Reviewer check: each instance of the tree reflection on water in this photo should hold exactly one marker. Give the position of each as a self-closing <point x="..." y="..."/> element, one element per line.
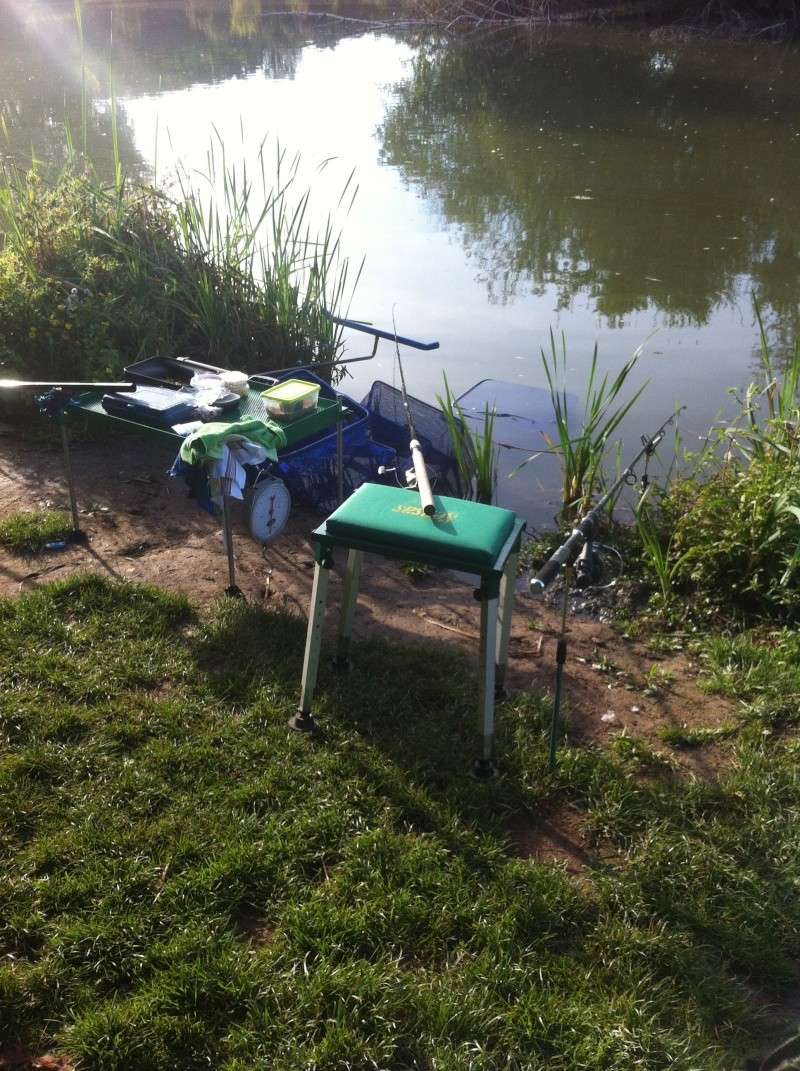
<point x="637" y="172"/>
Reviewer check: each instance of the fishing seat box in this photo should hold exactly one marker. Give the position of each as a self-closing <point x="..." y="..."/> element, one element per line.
<point x="390" y="521"/>
<point x="467" y="536"/>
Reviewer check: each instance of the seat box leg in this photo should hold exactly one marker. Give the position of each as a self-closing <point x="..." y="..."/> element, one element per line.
<point x="349" y="597"/>
<point x="505" y="616"/>
<point x="484" y="766"/>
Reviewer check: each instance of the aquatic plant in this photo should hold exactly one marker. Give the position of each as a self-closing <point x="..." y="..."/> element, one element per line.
<point x="473" y="449"/>
<point x="150" y="273"/>
<point x="583" y="451"/>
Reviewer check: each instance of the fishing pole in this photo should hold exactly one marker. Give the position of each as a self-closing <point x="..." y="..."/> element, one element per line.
<point x="417" y="458"/>
<point x="26" y="384"/>
<point x="582" y="533"/>
<point x="579" y="546"/>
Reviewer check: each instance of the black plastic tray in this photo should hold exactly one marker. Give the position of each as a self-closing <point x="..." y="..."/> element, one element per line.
<point x="172" y="372"/>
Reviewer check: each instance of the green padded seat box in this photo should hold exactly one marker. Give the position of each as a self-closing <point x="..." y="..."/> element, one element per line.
<point x="467" y="535"/>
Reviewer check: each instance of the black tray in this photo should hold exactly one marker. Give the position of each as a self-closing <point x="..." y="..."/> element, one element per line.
<point x="172" y="372"/>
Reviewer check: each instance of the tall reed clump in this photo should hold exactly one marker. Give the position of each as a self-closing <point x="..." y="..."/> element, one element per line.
<point x="94" y="274"/>
<point x="582" y="448"/>
<point x="473" y="449"/>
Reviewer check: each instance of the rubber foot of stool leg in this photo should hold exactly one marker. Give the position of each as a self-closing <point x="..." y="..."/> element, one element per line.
<point x="341" y="663"/>
<point x="234" y="593"/>
<point x="303" y="723"/>
<point x="484" y="770"/>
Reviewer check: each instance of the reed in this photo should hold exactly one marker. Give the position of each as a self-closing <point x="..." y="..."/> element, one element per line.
<point x="226" y="268"/>
<point x="583" y="451"/>
<point x="473" y="449"/>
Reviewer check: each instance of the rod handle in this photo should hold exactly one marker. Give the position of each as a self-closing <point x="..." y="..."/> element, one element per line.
<point x="545" y="576"/>
<point x="423" y="483"/>
<point x="563" y="556"/>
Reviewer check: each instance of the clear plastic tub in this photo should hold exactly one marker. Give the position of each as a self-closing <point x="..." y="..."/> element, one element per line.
<point x="291" y="398"/>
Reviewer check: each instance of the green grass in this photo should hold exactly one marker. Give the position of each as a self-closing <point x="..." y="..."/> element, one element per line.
<point x="190" y="884"/>
<point x="685" y="736"/>
<point x="761" y="669"/>
<point x="28" y="532"/>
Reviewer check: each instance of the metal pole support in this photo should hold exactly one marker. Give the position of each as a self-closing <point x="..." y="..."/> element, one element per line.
<point x="561" y="658"/>
<point x="227" y="536"/>
<point x="303" y="721"/>
<point x="505" y="615"/>
<point x="73" y="502"/>
<point x="349" y="598"/>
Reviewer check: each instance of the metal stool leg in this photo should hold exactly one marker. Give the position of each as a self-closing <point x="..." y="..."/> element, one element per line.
<point x="505" y="615"/>
<point x="73" y="502"/>
<point x="227" y="536"/>
<point x="303" y="721"/>
<point x="484" y="766"/>
<point x="349" y="597"/>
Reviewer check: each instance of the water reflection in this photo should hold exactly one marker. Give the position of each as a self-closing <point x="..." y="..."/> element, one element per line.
<point x="145" y="49"/>
<point x="643" y="174"/>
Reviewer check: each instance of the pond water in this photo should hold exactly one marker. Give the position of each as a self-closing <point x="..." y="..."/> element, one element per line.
<point x="619" y="186"/>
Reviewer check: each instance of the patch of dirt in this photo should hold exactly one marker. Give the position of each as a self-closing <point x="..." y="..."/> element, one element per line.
<point x="140" y="525"/>
<point x="20" y="1058"/>
<point x="554" y="837"/>
<point x="253" y="927"/>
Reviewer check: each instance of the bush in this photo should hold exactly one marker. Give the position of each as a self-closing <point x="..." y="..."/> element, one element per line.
<point x="727" y="537"/>
<point x="736" y="538"/>
<point x="93" y="277"/>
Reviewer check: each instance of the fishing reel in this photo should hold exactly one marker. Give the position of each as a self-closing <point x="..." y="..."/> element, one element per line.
<point x="588" y="567"/>
<point x="410" y="475"/>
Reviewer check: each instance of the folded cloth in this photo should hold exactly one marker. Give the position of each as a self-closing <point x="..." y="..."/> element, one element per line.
<point x="207" y="443"/>
<point x="228" y="475"/>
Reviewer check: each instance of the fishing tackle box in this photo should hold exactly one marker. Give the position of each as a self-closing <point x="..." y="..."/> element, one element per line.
<point x="160" y="406"/>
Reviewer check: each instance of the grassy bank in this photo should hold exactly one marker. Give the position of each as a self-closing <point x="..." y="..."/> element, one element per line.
<point x="191" y="884"/>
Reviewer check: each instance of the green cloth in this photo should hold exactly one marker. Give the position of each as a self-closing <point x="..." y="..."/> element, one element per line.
<point x="206" y="443"/>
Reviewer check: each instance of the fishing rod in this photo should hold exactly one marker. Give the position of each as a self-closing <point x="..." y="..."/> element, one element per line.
<point x="578" y="546"/>
<point x="26" y="384"/>
<point x="581" y="536"/>
<point x="417" y="459"/>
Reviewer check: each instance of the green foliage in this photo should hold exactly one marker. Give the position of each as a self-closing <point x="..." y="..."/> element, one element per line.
<point x="685" y="736"/>
<point x="27" y="532"/>
<point x="187" y="883"/>
<point x="657" y="557"/>
<point x="582" y="452"/>
<point x="473" y="449"/>
<point x="724" y="540"/>
<point x="736" y="538"/>
<point x="761" y="670"/>
<point x="93" y="277"/>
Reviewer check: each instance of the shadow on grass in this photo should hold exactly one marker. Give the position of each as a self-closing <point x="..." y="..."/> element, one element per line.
<point x="405" y="716"/>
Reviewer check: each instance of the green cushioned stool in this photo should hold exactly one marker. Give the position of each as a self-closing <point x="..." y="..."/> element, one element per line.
<point x="466" y="536"/>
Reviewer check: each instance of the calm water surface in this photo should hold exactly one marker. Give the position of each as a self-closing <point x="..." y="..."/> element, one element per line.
<point x="612" y="185"/>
